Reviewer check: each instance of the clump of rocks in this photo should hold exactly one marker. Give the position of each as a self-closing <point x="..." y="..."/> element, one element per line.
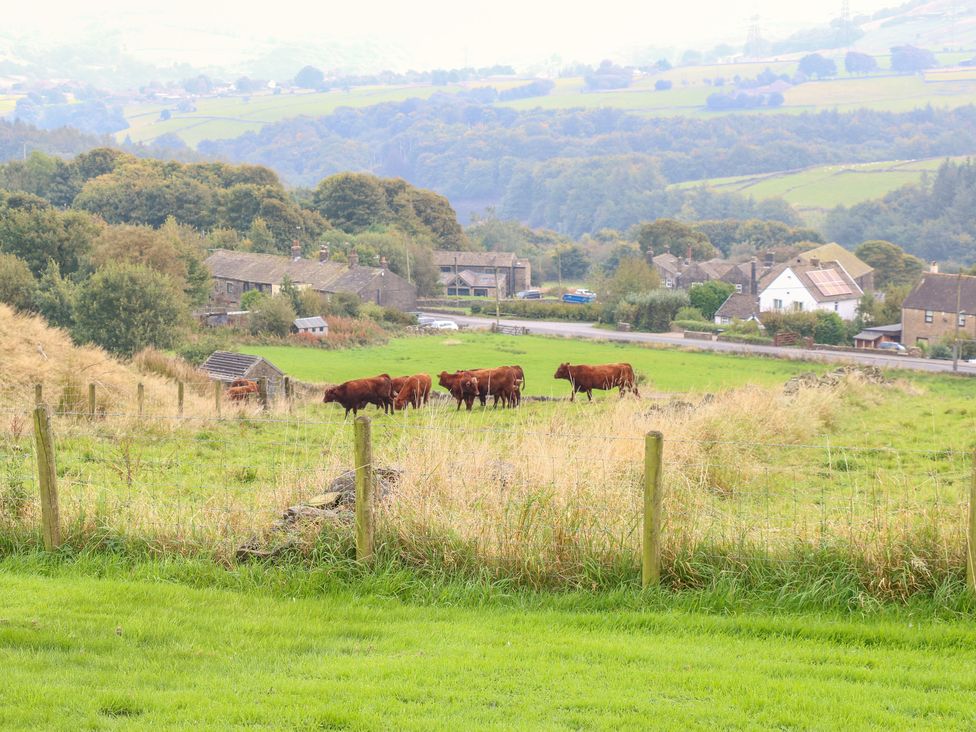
<point x="335" y="505"/>
<point x="831" y="379"/>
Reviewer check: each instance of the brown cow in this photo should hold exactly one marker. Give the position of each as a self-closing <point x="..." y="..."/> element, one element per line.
<point x="463" y="386"/>
<point x="241" y="390"/>
<point x="416" y="391"/>
<point x="606" y="376"/>
<point x="502" y="382"/>
<point x="356" y="394"/>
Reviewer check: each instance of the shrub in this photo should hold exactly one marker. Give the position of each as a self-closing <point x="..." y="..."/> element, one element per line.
<point x="941" y="351"/>
<point x="196" y="349"/>
<point x="689" y="313"/>
<point x="273" y="316"/>
<point x="653" y="311"/>
<point x="475" y="308"/>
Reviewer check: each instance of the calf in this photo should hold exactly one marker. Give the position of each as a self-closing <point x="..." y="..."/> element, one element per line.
<point x="606" y="376"/>
<point x="463" y="386"/>
<point x="416" y="391"/>
<point x="356" y="394"/>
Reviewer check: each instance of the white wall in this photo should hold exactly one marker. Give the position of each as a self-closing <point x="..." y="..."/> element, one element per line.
<point x="788" y="289"/>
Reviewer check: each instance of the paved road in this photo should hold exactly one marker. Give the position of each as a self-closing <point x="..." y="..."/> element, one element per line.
<point x="588" y="330"/>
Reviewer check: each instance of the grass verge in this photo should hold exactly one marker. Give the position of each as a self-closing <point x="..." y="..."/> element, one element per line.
<point x="96" y="643"/>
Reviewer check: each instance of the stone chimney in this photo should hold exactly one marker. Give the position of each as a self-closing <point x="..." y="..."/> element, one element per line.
<point x="383" y="263"/>
<point x="324" y="253"/>
<point x="934" y="267"/>
<point x="296" y="251"/>
<point x="353" y="259"/>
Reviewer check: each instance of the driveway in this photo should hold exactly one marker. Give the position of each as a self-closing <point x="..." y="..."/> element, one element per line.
<point x="589" y="330"/>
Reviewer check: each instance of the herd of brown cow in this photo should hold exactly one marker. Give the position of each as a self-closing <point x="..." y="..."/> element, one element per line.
<point x="503" y="383"/>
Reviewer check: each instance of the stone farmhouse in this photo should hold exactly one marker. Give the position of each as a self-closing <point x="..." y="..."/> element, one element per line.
<point x="473" y="273"/>
<point x="235" y="273"/>
<point x="940" y="307"/>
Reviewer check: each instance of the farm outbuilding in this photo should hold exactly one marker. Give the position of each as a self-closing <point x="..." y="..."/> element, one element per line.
<point x="227" y="366"/>
<point x="315" y="325"/>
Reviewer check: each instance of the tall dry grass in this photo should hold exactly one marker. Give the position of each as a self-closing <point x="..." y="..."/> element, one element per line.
<point x="32" y="352"/>
<point x="546" y="495"/>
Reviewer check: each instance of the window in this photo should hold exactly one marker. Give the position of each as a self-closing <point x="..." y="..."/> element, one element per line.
<point x="738" y="289"/>
<point x="962" y="320"/>
<point x="669" y="282"/>
<point x="777" y="304"/>
<point x="797" y="307"/>
<point x="928" y="316"/>
<point x="836" y="307"/>
<point x="230" y="288"/>
<point x="480" y="292"/>
<point x="921" y="341"/>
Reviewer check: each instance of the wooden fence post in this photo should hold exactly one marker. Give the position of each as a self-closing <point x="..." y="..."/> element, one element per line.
<point x="971" y="534"/>
<point x="218" y="395"/>
<point x="91" y="401"/>
<point x="179" y="398"/>
<point x="263" y="392"/>
<point x="364" y="488"/>
<point x="38" y="394"/>
<point x="651" y="546"/>
<point x="47" y="478"/>
<point x="141" y="397"/>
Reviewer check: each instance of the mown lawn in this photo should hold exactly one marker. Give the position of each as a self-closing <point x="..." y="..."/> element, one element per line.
<point x="82" y="652"/>
<point x="665" y="369"/>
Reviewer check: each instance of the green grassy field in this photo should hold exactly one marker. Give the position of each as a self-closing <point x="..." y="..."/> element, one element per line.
<point x="666" y="369"/>
<point x="137" y="649"/>
<point x="861" y="481"/>
<point x="228" y="117"/>
<point x="816" y="190"/>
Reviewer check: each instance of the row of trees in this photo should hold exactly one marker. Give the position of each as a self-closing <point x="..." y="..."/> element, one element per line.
<point x="578" y="171"/>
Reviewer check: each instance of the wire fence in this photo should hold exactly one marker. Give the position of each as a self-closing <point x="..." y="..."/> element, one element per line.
<point x="537" y="499"/>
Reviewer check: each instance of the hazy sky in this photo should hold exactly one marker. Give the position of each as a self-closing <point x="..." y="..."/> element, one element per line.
<point x="425" y="32"/>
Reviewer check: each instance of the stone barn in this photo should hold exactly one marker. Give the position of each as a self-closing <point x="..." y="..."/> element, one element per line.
<point x="226" y="366"/>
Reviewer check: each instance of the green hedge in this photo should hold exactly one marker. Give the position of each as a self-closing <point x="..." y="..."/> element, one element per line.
<point x="701" y="326"/>
<point x="544" y="310"/>
<point x="746" y="338"/>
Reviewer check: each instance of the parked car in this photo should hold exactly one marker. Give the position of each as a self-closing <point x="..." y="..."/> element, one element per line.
<point x="423" y="320"/>
<point x="580" y="296"/>
<point x="529" y="295"/>
<point x="442" y="325"/>
<point x="892" y="346"/>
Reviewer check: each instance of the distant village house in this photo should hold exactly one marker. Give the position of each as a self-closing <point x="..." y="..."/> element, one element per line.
<point x="235" y="273"/>
<point x="940" y="307"/>
<point x="473" y="273"/>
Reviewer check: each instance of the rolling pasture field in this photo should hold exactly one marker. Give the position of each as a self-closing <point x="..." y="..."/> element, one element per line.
<point x="814" y="191"/>
<point x="811" y="557"/>
<point x="666" y="370"/>
<point x="231" y="116"/>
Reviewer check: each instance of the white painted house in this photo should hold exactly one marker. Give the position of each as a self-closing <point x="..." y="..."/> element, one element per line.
<point x="810" y="286"/>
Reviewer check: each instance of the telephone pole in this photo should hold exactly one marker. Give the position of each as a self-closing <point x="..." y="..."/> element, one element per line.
<point x="955" y="345"/>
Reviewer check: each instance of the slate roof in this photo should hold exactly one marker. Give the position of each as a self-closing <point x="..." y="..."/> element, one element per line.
<point x="937" y="292"/>
<point x="270" y="269"/>
<point x="834" y="252"/>
<point x="227" y="366"/>
<point x="315" y="321"/>
<point x="443" y="258"/>
<point x="739" y="306"/>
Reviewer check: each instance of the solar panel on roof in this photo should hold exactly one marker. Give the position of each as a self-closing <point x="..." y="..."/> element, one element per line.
<point x="829" y="282"/>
